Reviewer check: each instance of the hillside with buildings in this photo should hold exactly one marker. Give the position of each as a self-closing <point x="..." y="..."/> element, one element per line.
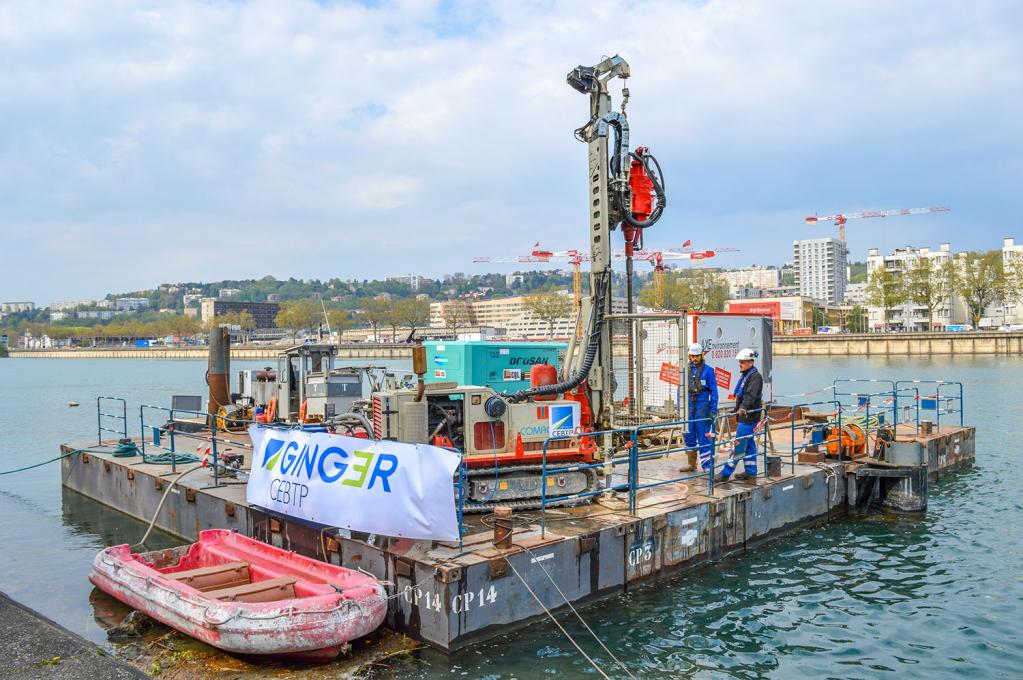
<point x="910" y="289"/>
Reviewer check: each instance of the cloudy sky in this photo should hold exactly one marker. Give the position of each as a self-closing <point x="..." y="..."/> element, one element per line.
<point x="149" y="142"/>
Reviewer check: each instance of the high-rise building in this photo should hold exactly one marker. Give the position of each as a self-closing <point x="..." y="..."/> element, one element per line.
<point x="820" y="265"/>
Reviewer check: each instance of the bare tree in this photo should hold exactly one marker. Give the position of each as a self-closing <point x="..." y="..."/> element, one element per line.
<point x="457" y="314"/>
<point x="548" y="305"/>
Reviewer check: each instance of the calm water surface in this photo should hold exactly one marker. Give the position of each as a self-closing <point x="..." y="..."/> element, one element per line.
<point x="936" y="597"/>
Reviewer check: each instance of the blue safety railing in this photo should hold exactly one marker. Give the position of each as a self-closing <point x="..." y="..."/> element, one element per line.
<point x="633" y="483"/>
<point x="111" y="418"/>
<point x="950" y="404"/>
<point x="816" y="430"/>
<point x="215" y="436"/>
<point x="607" y="464"/>
<point x="842" y="409"/>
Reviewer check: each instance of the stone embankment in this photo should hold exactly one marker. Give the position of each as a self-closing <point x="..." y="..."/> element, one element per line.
<point x="851" y="344"/>
<point x="347" y="351"/>
<point x="899" y="344"/>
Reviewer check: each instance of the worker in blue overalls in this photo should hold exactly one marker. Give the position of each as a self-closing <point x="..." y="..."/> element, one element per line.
<point x="703" y="405"/>
<point x="748" y="414"/>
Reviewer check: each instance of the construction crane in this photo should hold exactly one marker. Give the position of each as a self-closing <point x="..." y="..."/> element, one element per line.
<point x="841" y="218"/>
<point x="538" y="254"/>
<point x="657" y="258"/>
<point x="576" y="257"/>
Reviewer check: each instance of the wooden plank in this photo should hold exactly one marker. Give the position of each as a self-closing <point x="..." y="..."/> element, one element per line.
<point x="215" y="577"/>
<point x="280" y="588"/>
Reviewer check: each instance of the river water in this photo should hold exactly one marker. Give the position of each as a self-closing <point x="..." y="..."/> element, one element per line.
<point x="939" y="596"/>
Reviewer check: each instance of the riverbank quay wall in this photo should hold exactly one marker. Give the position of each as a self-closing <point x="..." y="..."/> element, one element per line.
<point x="449" y="594"/>
<point x="345" y="351"/>
<point x="898" y="344"/>
<point x="858" y="344"/>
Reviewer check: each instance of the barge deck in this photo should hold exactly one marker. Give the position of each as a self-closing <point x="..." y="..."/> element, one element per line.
<point x="450" y="594"/>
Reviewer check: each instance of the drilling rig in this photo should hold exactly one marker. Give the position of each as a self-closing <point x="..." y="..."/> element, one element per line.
<point x="506" y="437"/>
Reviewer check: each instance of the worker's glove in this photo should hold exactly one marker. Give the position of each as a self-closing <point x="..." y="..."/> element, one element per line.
<point x="742" y="412"/>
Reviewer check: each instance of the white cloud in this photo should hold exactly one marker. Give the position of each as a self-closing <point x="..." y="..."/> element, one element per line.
<point x="415" y="135"/>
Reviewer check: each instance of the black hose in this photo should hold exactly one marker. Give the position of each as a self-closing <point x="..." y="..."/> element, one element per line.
<point x="596" y="324"/>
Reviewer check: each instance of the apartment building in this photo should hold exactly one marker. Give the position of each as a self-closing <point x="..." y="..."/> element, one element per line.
<point x="510" y="313"/>
<point x="820" y="266"/>
<point x="910" y="316"/>
<point x="752" y="277"/>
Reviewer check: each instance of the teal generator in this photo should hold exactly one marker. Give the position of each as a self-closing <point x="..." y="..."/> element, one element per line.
<point x="501" y="366"/>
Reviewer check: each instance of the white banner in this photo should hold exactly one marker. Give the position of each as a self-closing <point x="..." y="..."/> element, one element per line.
<point x="379" y="487"/>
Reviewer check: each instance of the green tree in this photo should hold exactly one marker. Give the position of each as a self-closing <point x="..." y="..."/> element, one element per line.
<point x="930" y="285"/>
<point x="548" y="305"/>
<point x="697" y="289"/>
<point x="339" y="320"/>
<point x="885" y="290"/>
<point x="413" y="312"/>
<point x="375" y="312"/>
<point x="857" y="319"/>
<point x="980" y="281"/>
<point x="297" y="315"/>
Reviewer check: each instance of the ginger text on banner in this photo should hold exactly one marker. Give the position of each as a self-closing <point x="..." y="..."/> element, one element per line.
<point x="379" y="487"/>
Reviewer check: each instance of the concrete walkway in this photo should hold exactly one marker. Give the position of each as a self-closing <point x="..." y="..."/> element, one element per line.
<point x="32" y="646"/>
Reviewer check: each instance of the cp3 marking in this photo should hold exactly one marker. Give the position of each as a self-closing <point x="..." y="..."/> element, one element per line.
<point x="641" y="552"/>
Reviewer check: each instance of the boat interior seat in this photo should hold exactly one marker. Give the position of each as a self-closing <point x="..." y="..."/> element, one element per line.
<point x="269" y="590"/>
<point x="214" y="577"/>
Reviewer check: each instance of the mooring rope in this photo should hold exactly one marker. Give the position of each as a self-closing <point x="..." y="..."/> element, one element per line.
<point x="576" y="611"/>
<point x="556" y="622"/>
<point x="159" y="507"/>
<point x="118" y="452"/>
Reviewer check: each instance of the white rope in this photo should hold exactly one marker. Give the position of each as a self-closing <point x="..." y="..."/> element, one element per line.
<point x="576" y="612"/>
<point x="556" y="622"/>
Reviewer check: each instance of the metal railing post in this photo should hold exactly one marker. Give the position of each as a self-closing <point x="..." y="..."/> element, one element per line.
<point x="213" y="450"/>
<point x="792" y="437"/>
<point x="962" y="407"/>
<point x="142" y="430"/>
<point x="713" y="465"/>
<point x="839" y="407"/>
<point x="543" y="492"/>
<point x="767" y="424"/>
<point x="633" y="469"/>
<point x="895" y="408"/>
<point x="99" y="423"/>
<point x="937" y="407"/>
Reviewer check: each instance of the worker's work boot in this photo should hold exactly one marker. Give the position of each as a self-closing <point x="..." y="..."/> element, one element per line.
<point x="721" y="478"/>
<point x="746" y="478"/>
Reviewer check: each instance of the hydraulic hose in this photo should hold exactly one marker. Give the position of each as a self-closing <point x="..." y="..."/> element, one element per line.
<point x="593" y="345"/>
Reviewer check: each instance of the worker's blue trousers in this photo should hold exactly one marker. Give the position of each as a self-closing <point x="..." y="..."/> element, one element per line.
<point x="745" y="447"/>
<point x="700" y="426"/>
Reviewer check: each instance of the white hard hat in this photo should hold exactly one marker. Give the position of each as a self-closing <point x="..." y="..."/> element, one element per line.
<point x="746" y="354"/>
<point x="695" y="348"/>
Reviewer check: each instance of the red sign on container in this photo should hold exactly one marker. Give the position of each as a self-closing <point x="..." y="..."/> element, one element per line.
<point x="670" y="374"/>
<point x="723" y="377"/>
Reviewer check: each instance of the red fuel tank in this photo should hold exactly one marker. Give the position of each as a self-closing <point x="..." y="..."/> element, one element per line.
<point x="541" y="375"/>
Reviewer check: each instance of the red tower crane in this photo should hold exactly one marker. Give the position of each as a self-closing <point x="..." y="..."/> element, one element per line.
<point x="841" y="218"/>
